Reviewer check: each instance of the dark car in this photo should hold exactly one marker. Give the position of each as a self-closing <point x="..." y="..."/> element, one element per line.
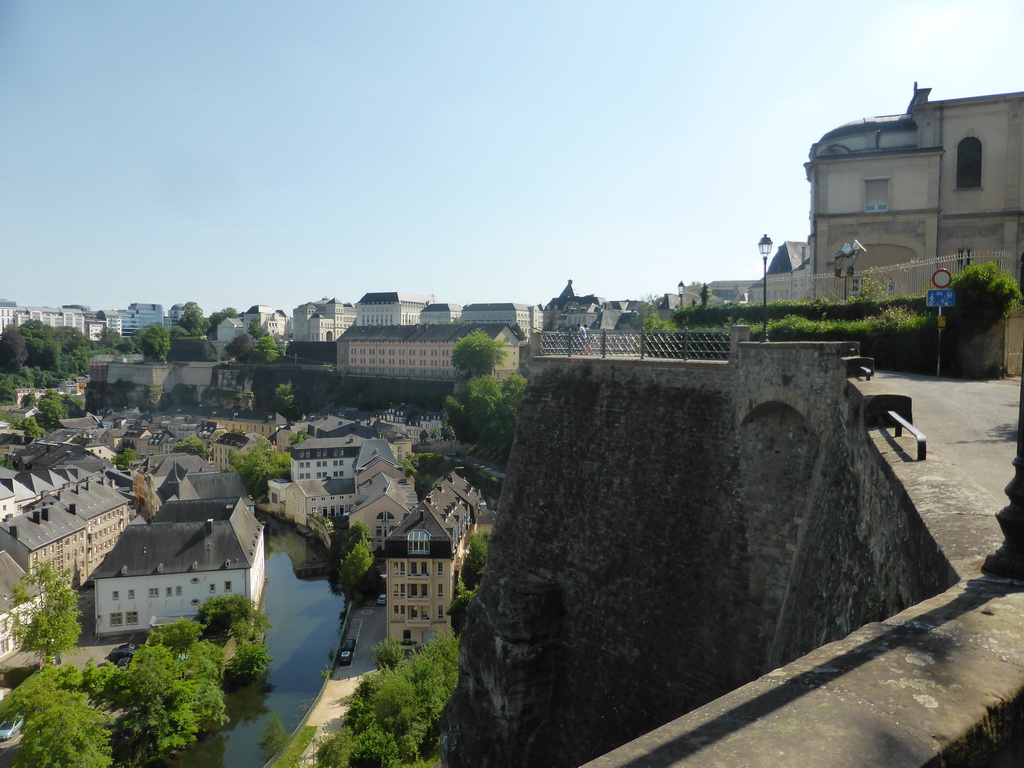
<point x="125" y="651"/>
<point x="348" y="650"/>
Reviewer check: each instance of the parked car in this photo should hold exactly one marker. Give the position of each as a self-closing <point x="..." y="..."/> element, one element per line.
<point x="348" y="650"/>
<point x="9" y="728"/>
<point x="382" y="598"/>
<point x="125" y="651"/>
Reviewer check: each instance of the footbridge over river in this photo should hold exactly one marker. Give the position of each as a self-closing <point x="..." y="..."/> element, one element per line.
<point x="735" y="563"/>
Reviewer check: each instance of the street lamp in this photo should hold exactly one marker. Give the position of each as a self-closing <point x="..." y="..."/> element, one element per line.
<point x="682" y="287"/>
<point x="764" y="245"/>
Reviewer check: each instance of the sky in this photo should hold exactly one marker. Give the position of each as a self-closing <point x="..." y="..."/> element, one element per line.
<point x="240" y="152"/>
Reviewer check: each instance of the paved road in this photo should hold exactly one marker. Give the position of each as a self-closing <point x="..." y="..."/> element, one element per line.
<point x="971" y="424"/>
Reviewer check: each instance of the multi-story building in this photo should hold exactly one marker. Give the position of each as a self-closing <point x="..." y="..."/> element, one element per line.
<point x="506" y="314"/>
<point x="424" y="555"/>
<point x="273" y="321"/>
<point x="332" y="457"/>
<point x="164" y="570"/>
<point x="139" y="316"/>
<point x="229" y="444"/>
<point x="440" y="314"/>
<point x="943" y="178"/>
<point x="390" y="308"/>
<point x="73" y="528"/>
<point x="55" y="317"/>
<point x="323" y="320"/>
<point x="419" y="352"/>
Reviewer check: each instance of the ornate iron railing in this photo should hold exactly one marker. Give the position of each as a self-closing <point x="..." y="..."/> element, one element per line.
<point x="685" y="344"/>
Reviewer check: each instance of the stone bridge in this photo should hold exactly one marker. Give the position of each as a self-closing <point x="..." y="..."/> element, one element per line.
<point x="734" y="564"/>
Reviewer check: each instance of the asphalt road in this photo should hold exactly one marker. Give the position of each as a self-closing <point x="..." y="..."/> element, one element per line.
<point x="971" y="424"/>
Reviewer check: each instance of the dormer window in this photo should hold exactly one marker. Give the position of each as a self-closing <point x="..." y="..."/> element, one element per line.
<point x="419" y="542"/>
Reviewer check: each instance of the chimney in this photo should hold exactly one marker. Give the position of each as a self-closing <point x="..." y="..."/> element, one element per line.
<point x="46" y="513"/>
<point x="73" y="509"/>
<point x="35" y="515"/>
<point x="13" y="530"/>
<point x="209" y="525"/>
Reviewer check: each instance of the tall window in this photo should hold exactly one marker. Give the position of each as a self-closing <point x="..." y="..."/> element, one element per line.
<point x="876" y="195"/>
<point x="968" y="163"/>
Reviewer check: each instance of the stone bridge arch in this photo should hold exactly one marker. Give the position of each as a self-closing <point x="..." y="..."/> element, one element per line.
<point x="778" y="451"/>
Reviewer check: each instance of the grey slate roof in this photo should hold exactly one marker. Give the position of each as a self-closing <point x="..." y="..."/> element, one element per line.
<point x="184" y="547"/>
<point x="212" y="485"/>
<point x="392" y="297"/>
<point x="499" y="307"/>
<point x="10" y="574"/>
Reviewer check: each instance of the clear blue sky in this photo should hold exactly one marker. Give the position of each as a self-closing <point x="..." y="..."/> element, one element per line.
<point x="235" y="152"/>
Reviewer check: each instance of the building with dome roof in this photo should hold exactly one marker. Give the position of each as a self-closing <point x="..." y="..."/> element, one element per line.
<point x="943" y="178"/>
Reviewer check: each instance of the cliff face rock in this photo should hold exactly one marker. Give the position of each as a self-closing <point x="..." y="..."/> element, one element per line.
<point x="669" y="531"/>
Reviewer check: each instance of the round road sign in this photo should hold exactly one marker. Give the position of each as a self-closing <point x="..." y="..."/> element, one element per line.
<point x="941" y="278"/>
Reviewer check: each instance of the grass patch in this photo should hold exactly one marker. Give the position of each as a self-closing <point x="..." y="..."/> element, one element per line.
<point x="290" y="756"/>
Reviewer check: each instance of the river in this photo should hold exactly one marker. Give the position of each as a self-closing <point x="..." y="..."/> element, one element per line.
<point x="304" y="623"/>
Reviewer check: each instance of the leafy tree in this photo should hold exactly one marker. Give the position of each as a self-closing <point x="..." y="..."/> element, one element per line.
<point x="43" y="349"/>
<point x="180" y="636"/>
<point x="354" y="567"/>
<point x="155" y="342"/>
<point x="284" y="400"/>
<point x="232" y="613"/>
<point x="52" y="409"/>
<point x="476" y="559"/>
<point x="124" y="459"/>
<point x="13" y="351"/>
<point x="47" y="624"/>
<point x="460" y="606"/>
<point x="705" y="294"/>
<point x="387" y="654"/>
<point x="240" y="348"/>
<point x="477" y="354"/>
<point x="29" y="426"/>
<point x="260" y="464"/>
<point x="984" y="296"/>
<point x="249" y="664"/>
<point x="487" y="413"/>
<point x="68" y="733"/>
<point x="165" y="704"/>
<point x="193" y="446"/>
<point x="374" y="749"/>
<point x="193" y="320"/>
<point x="256" y="330"/>
<point x="265" y="350"/>
<point x="298" y="437"/>
<point x="8" y="389"/>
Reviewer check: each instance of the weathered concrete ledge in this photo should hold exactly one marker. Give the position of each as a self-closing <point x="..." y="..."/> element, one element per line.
<point x="939" y="684"/>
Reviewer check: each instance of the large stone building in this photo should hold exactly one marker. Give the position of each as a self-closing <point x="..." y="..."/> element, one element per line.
<point x="323" y="320"/>
<point x="944" y="177"/>
<point x="390" y="308"/>
<point x="417" y="351"/>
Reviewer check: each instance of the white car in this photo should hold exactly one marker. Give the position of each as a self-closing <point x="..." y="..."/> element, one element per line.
<point x="382" y="598"/>
<point x="9" y="728"/>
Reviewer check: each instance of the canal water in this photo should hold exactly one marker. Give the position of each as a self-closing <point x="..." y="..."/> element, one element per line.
<point x="304" y="623"/>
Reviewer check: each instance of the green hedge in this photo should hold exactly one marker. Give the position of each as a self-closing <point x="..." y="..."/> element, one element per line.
<point x="897" y="339"/>
<point x="723" y="315"/>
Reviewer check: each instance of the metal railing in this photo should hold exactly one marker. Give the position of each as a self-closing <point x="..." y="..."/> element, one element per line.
<point x="663" y="345"/>
<point x="900" y="424"/>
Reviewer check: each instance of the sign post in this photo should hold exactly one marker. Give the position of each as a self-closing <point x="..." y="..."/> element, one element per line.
<point x="941" y="296"/>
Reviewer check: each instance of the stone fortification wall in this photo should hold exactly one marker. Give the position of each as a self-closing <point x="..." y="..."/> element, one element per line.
<point x="670" y="531"/>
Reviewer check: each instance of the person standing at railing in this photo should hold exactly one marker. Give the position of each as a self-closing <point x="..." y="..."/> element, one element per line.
<point x="584" y="342"/>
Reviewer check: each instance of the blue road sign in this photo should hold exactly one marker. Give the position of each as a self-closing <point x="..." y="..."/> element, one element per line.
<point x="945" y="297"/>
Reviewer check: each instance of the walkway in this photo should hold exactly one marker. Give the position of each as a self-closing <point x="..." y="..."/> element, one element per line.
<point x="971" y="424"/>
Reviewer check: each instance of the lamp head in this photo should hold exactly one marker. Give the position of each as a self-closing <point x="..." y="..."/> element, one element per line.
<point x="764" y="245"/>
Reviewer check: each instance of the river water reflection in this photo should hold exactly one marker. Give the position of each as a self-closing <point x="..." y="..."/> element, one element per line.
<point x="303" y="635"/>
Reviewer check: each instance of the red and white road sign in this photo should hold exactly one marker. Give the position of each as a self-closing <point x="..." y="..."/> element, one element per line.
<point x="942" y="278"/>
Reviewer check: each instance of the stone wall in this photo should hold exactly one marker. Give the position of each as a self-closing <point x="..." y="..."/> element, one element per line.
<point x="670" y="531"/>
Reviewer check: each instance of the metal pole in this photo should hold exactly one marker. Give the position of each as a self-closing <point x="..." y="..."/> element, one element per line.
<point x="938" y="351"/>
<point x="764" y="291"/>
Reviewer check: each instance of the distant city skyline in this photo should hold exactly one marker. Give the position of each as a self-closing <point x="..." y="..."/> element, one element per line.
<point x="238" y="153"/>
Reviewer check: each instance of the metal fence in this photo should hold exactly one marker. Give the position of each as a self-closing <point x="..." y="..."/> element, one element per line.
<point x="672" y="345"/>
<point x="911" y="278"/>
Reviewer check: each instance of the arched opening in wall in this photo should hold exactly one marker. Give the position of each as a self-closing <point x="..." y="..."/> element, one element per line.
<point x="330" y="336"/>
<point x="968" y="163"/>
<point x="777" y="457"/>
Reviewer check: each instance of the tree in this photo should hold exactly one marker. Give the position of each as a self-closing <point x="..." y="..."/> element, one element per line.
<point x="45" y="619"/>
<point x="374" y="749"/>
<point x="180" y="636"/>
<point x="240" y="347"/>
<point x="258" y="465"/>
<point x="249" y="664"/>
<point x="705" y="294"/>
<point x="52" y="409"/>
<point x="274" y="737"/>
<point x="387" y="654"/>
<point x="477" y="354"/>
<point x="193" y="320"/>
<point x="284" y="400"/>
<point x="13" y="352"/>
<point x="124" y="459"/>
<point x="256" y="330"/>
<point x="265" y="350"/>
<point x="66" y="733"/>
<point x="476" y="559"/>
<point x="193" y="446"/>
<point x="354" y="566"/>
<point x="29" y="426"/>
<point x="232" y="613"/>
<point x="155" y="342"/>
<point x="298" y="437"/>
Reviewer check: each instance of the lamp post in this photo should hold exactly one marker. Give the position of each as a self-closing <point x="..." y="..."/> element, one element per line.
<point x="682" y="287"/>
<point x="764" y="245"/>
<point x="1008" y="560"/>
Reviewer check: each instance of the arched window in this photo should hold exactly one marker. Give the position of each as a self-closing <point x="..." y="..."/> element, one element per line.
<point x="968" y="163"/>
